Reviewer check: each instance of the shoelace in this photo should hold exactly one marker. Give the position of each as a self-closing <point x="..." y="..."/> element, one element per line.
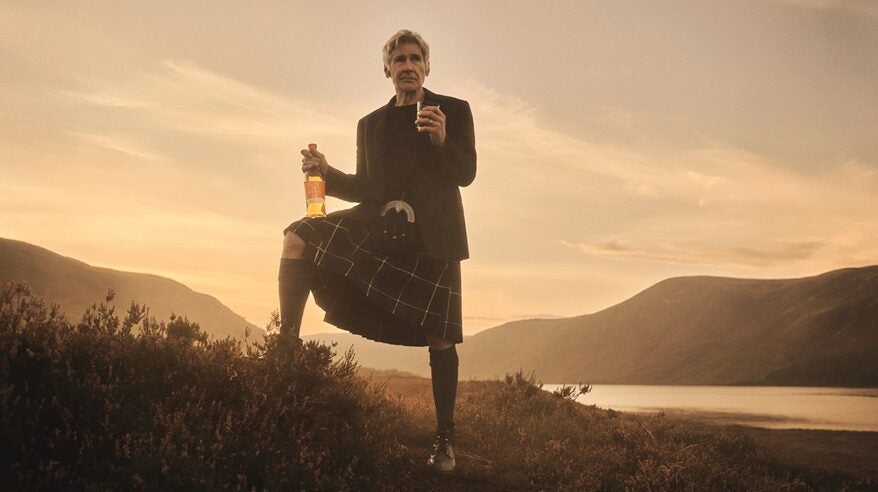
<point x="442" y="443"/>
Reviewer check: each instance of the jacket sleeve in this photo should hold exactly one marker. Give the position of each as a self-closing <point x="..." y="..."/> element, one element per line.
<point x="351" y="187"/>
<point x="457" y="157"/>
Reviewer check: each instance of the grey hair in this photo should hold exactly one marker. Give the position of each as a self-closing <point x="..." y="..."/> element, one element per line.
<point x="404" y="36"/>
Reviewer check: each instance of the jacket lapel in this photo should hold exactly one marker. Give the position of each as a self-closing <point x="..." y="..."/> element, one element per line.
<point x="377" y="139"/>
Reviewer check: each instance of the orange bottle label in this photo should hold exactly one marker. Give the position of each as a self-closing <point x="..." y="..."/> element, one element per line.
<point x="315" y="190"/>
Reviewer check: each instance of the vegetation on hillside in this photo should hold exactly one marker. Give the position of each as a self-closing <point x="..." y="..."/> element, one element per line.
<point x="75" y="285"/>
<point x="129" y="403"/>
<point x="515" y="436"/>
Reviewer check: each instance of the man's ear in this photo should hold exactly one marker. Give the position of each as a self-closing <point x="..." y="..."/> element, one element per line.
<point x="427" y="72"/>
<point x="386" y="71"/>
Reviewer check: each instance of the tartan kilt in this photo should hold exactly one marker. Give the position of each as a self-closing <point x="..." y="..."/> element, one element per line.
<point x="392" y="299"/>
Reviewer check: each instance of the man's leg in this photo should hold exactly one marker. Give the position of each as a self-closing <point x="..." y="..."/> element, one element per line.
<point x="444" y="372"/>
<point x="294" y="284"/>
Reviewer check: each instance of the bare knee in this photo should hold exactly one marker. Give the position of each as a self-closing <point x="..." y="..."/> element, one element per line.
<point x="294" y="246"/>
<point x="438" y="343"/>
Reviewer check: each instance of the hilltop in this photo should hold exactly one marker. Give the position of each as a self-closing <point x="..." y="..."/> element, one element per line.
<point x="76" y="286"/>
<point x="814" y="331"/>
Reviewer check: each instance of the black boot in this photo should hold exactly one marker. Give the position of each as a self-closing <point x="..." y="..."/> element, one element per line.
<point x="443" y="369"/>
<point x="442" y="454"/>
<point x="294" y="284"/>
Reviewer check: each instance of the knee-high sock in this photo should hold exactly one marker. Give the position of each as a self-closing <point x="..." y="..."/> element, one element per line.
<point x="294" y="283"/>
<point x="443" y="369"/>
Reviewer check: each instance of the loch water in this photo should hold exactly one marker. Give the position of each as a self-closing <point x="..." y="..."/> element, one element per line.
<point x="775" y="407"/>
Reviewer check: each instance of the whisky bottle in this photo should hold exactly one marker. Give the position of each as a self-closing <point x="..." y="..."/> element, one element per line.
<point x="315" y="191"/>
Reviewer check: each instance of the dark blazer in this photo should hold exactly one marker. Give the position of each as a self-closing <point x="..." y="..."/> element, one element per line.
<point x="435" y="182"/>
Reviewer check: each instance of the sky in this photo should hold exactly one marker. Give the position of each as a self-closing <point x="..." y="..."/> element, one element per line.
<point x="619" y="143"/>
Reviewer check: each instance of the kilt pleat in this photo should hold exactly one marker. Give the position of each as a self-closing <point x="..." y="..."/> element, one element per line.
<point x="393" y="299"/>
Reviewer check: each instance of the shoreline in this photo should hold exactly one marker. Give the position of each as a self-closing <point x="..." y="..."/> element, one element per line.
<point x="807" y="408"/>
<point x="849" y="452"/>
<point x="853" y="452"/>
<point x="749" y="420"/>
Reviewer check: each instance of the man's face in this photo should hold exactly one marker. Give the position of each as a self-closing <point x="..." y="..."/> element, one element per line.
<point x="408" y="69"/>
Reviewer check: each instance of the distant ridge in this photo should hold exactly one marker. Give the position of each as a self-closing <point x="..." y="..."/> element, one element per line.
<point x="76" y="286"/>
<point x="815" y="331"/>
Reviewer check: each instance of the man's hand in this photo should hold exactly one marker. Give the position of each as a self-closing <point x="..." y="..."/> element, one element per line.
<point x="313" y="160"/>
<point x="431" y="120"/>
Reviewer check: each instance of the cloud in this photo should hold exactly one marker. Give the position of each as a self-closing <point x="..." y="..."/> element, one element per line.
<point x="511" y="131"/>
<point x="526" y="158"/>
<point x="528" y="271"/>
<point x="703" y="254"/>
<point x="857" y="171"/>
<point x="120" y="144"/>
<point x="618" y="117"/>
<point x="862" y="7"/>
<point x="183" y="97"/>
<point x="542" y="195"/>
<point x="190" y="79"/>
<point x="109" y="100"/>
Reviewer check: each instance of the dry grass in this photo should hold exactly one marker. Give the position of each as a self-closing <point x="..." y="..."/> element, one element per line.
<point x="128" y="403"/>
<point x="514" y="436"/>
<point x="855" y="453"/>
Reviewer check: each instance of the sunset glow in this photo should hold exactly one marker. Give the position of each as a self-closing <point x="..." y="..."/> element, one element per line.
<point x="619" y="143"/>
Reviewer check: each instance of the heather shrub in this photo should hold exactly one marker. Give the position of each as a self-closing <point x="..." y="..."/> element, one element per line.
<point x="549" y="442"/>
<point x="132" y="403"/>
<point x="128" y="403"/>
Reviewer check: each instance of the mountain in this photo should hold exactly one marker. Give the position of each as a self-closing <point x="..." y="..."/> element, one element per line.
<point x="76" y="286"/>
<point x="815" y="331"/>
<point x="381" y="356"/>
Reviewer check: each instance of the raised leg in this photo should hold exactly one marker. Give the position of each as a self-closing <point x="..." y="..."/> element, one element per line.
<point x="294" y="284"/>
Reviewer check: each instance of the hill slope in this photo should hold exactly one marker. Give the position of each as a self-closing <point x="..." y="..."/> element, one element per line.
<point x="381" y="356"/>
<point x="76" y="286"/>
<point x="705" y="330"/>
<point x="819" y="330"/>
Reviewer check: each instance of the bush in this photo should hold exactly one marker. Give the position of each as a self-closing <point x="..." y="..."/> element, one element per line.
<point x="545" y="442"/>
<point x="132" y="403"/>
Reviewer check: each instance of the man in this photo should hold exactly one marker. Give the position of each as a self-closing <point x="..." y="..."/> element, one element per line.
<point x="408" y="297"/>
